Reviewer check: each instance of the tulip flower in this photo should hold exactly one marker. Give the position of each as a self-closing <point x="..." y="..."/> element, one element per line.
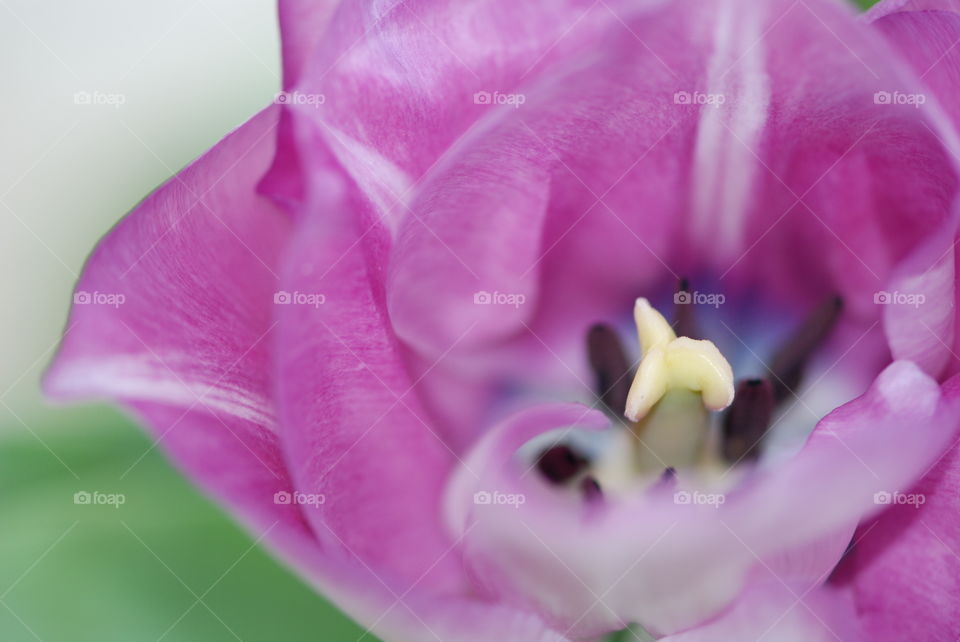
<point x="552" y="320"/>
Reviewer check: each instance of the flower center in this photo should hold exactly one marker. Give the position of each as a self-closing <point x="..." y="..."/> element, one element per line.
<point x="667" y="412"/>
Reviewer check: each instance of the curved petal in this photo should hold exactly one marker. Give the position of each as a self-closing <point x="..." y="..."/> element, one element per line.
<point x="904" y="570"/>
<point x="204" y="250"/>
<point x="920" y="311"/>
<point x="836" y="204"/>
<point x="302" y="25"/>
<point x="481" y="291"/>
<point x="781" y="612"/>
<point x="463" y="620"/>
<point x="174" y="305"/>
<point x="186" y="349"/>
<point x="354" y="430"/>
<point x="670" y="565"/>
<point x="775" y="171"/>
<point x="924" y="33"/>
<point x="353" y="426"/>
<point x="399" y="78"/>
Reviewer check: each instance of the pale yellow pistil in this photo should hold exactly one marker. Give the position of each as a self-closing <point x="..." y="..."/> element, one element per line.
<point x="678" y="382"/>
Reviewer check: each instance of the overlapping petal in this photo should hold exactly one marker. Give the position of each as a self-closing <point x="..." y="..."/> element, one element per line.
<point x="647" y="559"/>
<point x="191" y="272"/>
<point x="761" y="136"/>
<point x="782" y="612"/>
<point x="903" y="572"/>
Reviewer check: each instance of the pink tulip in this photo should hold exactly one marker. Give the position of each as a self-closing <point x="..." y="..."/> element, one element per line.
<point x="387" y="321"/>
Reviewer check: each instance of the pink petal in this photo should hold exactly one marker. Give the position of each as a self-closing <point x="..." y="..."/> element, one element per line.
<point x="302" y="26"/>
<point x="187" y="350"/>
<point x="924" y="33"/>
<point x="904" y="570"/>
<point x="797" y="184"/>
<point x="355" y="430"/>
<point x="400" y="78"/>
<point x="784" y="613"/>
<point x="671" y="566"/>
<point x="202" y="286"/>
<point x="353" y="425"/>
<point x="920" y="314"/>
<point x="196" y="266"/>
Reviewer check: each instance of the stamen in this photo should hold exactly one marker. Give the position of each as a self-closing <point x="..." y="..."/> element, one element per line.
<point x="685" y="325"/>
<point x="591" y="489"/>
<point x="747" y="420"/>
<point x="667" y="480"/>
<point x="789" y="362"/>
<point x="610" y="367"/>
<point x="560" y="464"/>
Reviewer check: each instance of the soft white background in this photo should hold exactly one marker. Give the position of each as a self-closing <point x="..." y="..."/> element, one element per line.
<point x="189" y="72"/>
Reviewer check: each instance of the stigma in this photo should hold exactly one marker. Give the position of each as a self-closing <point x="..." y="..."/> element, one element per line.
<point x="670" y="363"/>
<point x="678" y="382"/>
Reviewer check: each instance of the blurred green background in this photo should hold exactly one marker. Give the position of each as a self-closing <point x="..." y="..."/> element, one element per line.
<point x="189" y="71"/>
<point x="164" y="565"/>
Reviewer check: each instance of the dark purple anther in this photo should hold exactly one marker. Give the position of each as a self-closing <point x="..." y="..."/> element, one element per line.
<point x="610" y="367"/>
<point x="685" y="324"/>
<point x="787" y="366"/>
<point x="560" y="464"/>
<point x="591" y="489"/>
<point x="746" y="421"/>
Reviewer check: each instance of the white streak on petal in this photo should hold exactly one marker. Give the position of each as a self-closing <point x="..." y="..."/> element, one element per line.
<point x="141" y="377"/>
<point x="725" y="156"/>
